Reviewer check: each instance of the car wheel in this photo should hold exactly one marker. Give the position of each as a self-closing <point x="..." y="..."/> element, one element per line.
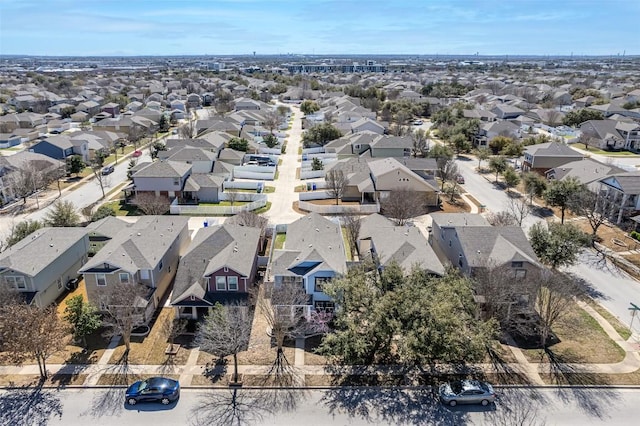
<point x="453" y="403"/>
<point x="485" y="402"/>
<point x="165" y="401"/>
<point x="132" y="401"/>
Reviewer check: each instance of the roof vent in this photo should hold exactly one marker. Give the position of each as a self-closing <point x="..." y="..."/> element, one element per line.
<point x="139" y="234"/>
<point x="51" y="245"/>
<point x="310" y="245"/>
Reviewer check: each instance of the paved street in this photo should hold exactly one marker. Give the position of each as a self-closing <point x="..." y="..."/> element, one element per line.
<point x="344" y="406"/>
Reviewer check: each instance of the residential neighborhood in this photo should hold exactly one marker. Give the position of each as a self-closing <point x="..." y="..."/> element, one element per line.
<point x="244" y="222"/>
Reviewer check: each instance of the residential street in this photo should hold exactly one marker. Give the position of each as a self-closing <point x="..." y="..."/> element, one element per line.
<point x="344" y="406"/>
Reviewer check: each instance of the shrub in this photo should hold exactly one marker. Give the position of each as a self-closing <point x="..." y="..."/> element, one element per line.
<point x="635" y="235"/>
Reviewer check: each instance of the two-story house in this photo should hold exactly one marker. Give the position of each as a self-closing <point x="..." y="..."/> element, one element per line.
<point x="312" y="255"/>
<point x="219" y="266"/>
<point x="40" y="265"/>
<point x="162" y="178"/>
<point x="60" y="147"/>
<point x="544" y="156"/>
<point x="146" y="254"/>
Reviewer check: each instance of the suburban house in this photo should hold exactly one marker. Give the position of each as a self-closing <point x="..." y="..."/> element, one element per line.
<point x="612" y="135"/>
<point x="10" y="164"/>
<point x="391" y="146"/>
<point x="201" y="160"/>
<point x="161" y="178"/>
<point x="40" y="265"/>
<point x="383" y="242"/>
<point x="506" y="111"/>
<point x="60" y="147"/>
<point x="367" y="124"/>
<point x="488" y="131"/>
<point x="219" y="266"/>
<point x="544" y="156"/>
<point x="145" y="253"/>
<point x="312" y="255"/>
<point x="470" y="243"/>
<point x="622" y="190"/>
<point x="111" y="108"/>
<point x="587" y="171"/>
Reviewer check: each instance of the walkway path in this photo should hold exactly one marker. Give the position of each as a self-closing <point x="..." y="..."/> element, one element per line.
<point x="282" y="199"/>
<point x="531" y="370"/>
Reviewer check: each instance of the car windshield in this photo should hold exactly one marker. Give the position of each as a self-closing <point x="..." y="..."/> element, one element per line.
<point x="143" y="386"/>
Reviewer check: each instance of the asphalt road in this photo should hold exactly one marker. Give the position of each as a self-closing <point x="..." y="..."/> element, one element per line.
<point x="346" y="406"/>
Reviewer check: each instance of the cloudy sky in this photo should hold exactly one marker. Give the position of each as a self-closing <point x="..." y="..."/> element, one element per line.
<point x="226" y="27"/>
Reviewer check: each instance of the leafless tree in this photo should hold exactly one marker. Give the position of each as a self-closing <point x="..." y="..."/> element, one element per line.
<point x="452" y="190"/>
<point x="28" y="331"/>
<point x="594" y="207"/>
<point x="555" y="293"/>
<point x="553" y="117"/>
<point x="336" y="183"/>
<point x="503" y="297"/>
<point x="126" y="304"/>
<point x="232" y="196"/>
<point x="352" y="224"/>
<point x="26" y="180"/>
<point x="402" y="204"/>
<point x="152" y="204"/>
<point x="101" y="179"/>
<point x="585" y="138"/>
<point x="284" y="308"/>
<point x="419" y="139"/>
<point x="272" y="120"/>
<point x="519" y="209"/>
<point x="447" y="169"/>
<point x="188" y="129"/>
<point x="172" y="328"/>
<point x="495" y="86"/>
<point x="253" y="220"/>
<point x="226" y="331"/>
<point x="135" y="135"/>
<point x="502" y="218"/>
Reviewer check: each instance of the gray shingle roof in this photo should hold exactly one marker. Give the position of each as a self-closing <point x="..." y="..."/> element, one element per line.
<point x="552" y="149"/>
<point x="213" y="248"/>
<point x="140" y="246"/>
<point x="38" y="250"/>
<point x="498" y="244"/>
<point x="458" y="219"/>
<point x="160" y="169"/>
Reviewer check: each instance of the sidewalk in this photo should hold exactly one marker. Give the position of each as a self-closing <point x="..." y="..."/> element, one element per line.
<point x="531" y="370"/>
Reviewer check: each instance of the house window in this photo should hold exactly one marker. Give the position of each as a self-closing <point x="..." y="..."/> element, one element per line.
<point x="59" y="282"/>
<point x="103" y="306"/>
<point x="101" y="279"/>
<point x="320" y="282"/>
<point x="521" y="273"/>
<point x="14" y="283"/>
<point x="324" y="306"/>
<point x="233" y="283"/>
<point x="176" y="181"/>
<point x="160" y="266"/>
<point x="124" y="278"/>
<point x="221" y="283"/>
<point x="516" y="264"/>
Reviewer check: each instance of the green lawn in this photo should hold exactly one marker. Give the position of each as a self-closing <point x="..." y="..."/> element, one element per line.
<point x="610" y="153"/>
<point x="123" y="209"/>
<point x="269" y="189"/>
<point x="263" y="209"/>
<point x="280" y="238"/>
<point x="347" y="246"/>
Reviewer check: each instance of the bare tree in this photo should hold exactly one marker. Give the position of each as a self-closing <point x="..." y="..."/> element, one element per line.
<point x="188" y="130"/>
<point x="284" y="308"/>
<point x="555" y="293"/>
<point x="402" y="204"/>
<point x="553" y="117"/>
<point x="26" y="180"/>
<point x="336" y="183"/>
<point x="225" y="332"/>
<point x="172" y="328"/>
<point x="352" y="224"/>
<point x="594" y="207"/>
<point x="152" y="204"/>
<point x="495" y="86"/>
<point x="232" y="196"/>
<point x="28" y="331"/>
<point x="253" y="220"/>
<point x="502" y="218"/>
<point x="126" y="304"/>
<point x="272" y="120"/>
<point x="135" y="134"/>
<point x="447" y="169"/>
<point x="519" y="209"/>
<point x="585" y="139"/>
<point x="419" y="139"/>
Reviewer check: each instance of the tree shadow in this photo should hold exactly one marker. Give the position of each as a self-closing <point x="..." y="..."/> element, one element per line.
<point x="419" y="406"/>
<point x="28" y="405"/>
<point x="217" y="371"/>
<point x="589" y="289"/>
<point x="575" y="384"/>
<point x="542" y="212"/>
<point x="110" y="402"/>
<point x="231" y="407"/>
<point x="600" y="260"/>
<point x="282" y="385"/>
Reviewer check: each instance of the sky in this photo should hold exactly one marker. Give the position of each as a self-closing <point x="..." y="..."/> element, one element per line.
<point x="240" y="27"/>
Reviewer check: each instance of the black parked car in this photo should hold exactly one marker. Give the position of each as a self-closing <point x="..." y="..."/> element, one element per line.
<point x="154" y="389"/>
